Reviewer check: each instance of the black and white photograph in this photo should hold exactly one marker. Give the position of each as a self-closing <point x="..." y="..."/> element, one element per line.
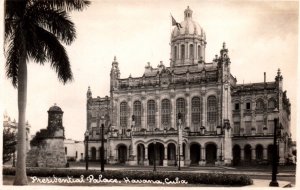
<point x="149" y="93"/>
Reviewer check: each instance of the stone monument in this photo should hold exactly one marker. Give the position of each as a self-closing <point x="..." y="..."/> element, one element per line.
<point x="47" y="147"/>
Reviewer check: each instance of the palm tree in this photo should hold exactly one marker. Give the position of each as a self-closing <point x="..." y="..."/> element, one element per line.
<point x="34" y="30"/>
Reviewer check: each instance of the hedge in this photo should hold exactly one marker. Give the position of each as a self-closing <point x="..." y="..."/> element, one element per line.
<point x="190" y="178"/>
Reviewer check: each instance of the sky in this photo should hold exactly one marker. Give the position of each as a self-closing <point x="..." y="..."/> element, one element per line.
<point x="261" y="36"/>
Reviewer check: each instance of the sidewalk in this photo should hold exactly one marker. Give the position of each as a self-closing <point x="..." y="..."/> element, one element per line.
<point x="265" y="183"/>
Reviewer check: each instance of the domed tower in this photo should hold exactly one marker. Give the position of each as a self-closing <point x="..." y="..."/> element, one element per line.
<point x="188" y="42"/>
<point x="55" y="120"/>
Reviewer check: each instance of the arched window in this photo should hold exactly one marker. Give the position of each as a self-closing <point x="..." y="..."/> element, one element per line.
<point x="211" y="112"/>
<point x="271" y="104"/>
<point x="196" y="110"/>
<point x="260" y="104"/>
<point x="165" y="112"/>
<point x="175" y="52"/>
<point x="199" y="52"/>
<point x="182" y="49"/>
<point x="191" y="49"/>
<point x="123" y="114"/>
<point x="180" y="108"/>
<point x="137" y="109"/>
<point x="151" y="113"/>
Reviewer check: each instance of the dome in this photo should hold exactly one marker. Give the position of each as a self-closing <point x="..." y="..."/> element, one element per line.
<point x="188" y="26"/>
<point x="55" y="108"/>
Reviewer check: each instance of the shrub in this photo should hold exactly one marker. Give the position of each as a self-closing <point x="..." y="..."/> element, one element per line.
<point x="191" y="178"/>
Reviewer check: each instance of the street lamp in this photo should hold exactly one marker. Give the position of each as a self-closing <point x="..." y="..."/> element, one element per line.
<point x="179" y="138"/>
<point x="86" y="134"/>
<point x="154" y="160"/>
<point x="274" y="182"/>
<point x="102" y="148"/>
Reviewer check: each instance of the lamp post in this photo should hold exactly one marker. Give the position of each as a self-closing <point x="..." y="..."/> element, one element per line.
<point x="154" y="160"/>
<point x="179" y="139"/>
<point x="86" y="134"/>
<point x="102" y="148"/>
<point x="274" y="182"/>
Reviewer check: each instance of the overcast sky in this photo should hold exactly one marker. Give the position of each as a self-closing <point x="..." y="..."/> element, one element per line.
<point x="261" y="36"/>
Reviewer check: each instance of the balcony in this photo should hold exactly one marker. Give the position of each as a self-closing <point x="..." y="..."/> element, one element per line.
<point x="206" y="133"/>
<point x="156" y="133"/>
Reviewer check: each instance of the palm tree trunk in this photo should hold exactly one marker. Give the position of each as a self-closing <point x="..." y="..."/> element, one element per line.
<point x="20" y="176"/>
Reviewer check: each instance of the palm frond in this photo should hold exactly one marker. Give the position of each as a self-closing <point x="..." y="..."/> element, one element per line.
<point x="56" y="21"/>
<point x="13" y="58"/>
<point x="67" y="5"/>
<point x="14" y="8"/>
<point x="56" y="54"/>
<point x="35" y="48"/>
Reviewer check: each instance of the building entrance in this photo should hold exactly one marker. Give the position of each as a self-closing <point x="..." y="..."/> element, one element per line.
<point x="211" y="154"/>
<point x="195" y="154"/>
<point x="122" y="152"/>
<point x="159" y="152"/>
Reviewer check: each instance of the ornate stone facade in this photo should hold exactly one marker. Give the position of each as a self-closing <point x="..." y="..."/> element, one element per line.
<point x="47" y="146"/>
<point x="222" y="122"/>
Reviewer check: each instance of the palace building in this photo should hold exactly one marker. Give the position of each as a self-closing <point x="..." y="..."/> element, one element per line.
<point x="192" y="111"/>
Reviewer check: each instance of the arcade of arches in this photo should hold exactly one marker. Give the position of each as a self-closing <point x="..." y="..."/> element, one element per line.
<point x="166" y="154"/>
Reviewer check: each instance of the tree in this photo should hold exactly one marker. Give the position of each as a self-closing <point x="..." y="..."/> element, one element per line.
<point x="9" y="144"/>
<point x="34" y="30"/>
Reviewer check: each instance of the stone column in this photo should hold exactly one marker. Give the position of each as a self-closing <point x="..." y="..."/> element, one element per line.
<point x="204" y="113"/>
<point x="130" y="111"/>
<point x="146" y="161"/>
<point x="117" y="156"/>
<point x="242" y="154"/>
<point x="165" y="161"/>
<point x="186" y="51"/>
<point x="265" y="153"/>
<point x="188" y="113"/>
<point x="187" y="155"/>
<point x="98" y="155"/>
<point x="145" y="114"/>
<point x="281" y="153"/>
<point x="173" y="112"/>
<point x="242" y="125"/>
<point x="133" y="159"/>
<point x="202" y="161"/>
<point x="218" y="160"/>
<point x="253" y="154"/>
<point x="157" y="113"/>
<point x="117" y="111"/>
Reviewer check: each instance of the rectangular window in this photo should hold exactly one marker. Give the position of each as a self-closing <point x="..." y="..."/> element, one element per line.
<point x="236" y="128"/>
<point x="259" y="126"/>
<point x="270" y="126"/>
<point x="248" y="127"/>
<point x="236" y="106"/>
<point x="248" y="106"/>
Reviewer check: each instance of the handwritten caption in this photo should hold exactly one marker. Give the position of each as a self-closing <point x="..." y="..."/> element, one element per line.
<point x="101" y="179"/>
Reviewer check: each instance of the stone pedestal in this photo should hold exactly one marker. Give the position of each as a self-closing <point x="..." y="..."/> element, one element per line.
<point x="187" y="162"/>
<point x="165" y="162"/>
<point x="281" y="161"/>
<point x="132" y="162"/>
<point x="181" y="163"/>
<point x="146" y="162"/>
<point x="227" y="162"/>
<point x="202" y="163"/>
